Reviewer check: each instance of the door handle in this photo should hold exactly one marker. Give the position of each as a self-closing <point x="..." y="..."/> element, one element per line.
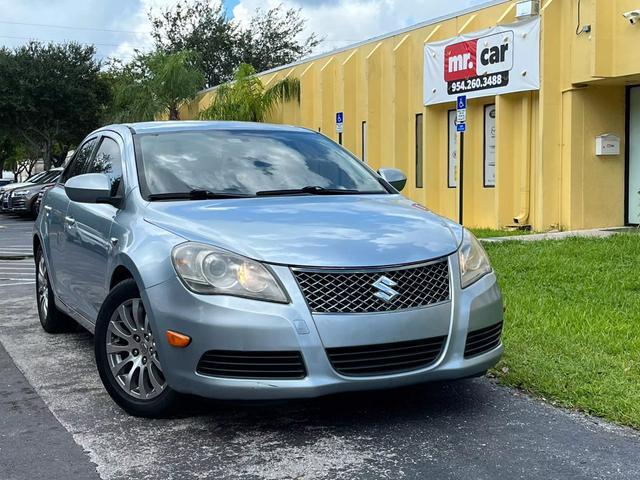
<point x="48" y="208"/>
<point x="70" y="221"/>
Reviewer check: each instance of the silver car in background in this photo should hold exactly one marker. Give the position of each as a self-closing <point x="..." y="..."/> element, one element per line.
<point x="22" y="198"/>
<point x="252" y="261"/>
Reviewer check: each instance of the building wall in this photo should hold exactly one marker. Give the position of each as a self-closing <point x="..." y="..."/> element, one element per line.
<point x="547" y="174"/>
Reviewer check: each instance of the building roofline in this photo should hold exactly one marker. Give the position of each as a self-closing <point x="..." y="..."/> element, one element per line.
<point x="417" y="26"/>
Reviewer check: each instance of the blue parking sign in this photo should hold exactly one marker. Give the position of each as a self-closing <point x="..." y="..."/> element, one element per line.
<point x="461" y="127"/>
<point x="339" y="122"/>
<point x="462" y="102"/>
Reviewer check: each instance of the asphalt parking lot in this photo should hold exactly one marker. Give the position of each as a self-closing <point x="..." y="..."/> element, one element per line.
<point x="56" y="421"/>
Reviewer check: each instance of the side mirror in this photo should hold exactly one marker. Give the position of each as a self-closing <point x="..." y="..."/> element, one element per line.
<point x="395" y="177"/>
<point x="91" y="188"/>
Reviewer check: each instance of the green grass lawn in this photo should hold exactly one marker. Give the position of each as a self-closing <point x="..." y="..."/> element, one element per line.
<point x="572" y="325"/>
<point x="490" y="233"/>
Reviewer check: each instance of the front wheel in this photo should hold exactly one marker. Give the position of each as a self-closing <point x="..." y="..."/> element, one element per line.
<point x="126" y="355"/>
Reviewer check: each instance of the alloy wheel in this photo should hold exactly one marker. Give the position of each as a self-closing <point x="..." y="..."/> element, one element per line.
<point x="43" y="287"/>
<point x="131" y="351"/>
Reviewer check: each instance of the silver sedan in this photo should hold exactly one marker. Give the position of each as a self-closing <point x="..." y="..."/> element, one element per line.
<point x="252" y="261"/>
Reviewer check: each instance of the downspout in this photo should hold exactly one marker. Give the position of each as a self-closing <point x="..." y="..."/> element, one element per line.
<point x="525" y="174"/>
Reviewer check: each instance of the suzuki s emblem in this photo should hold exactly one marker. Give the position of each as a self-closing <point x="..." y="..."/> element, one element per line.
<point x="385" y="289"/>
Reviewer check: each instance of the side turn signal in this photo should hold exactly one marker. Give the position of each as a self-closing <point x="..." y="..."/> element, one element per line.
<point x="178" y="340"/>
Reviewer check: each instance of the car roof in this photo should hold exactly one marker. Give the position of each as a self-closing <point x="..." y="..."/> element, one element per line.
<point x="199" y="125"/>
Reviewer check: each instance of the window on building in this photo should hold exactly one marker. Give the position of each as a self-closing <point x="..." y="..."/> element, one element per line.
<point x="364" y="142"/>
<point x="452" y="150"/>
<point x="489" y="170"/>
<point x="419" y="151"/>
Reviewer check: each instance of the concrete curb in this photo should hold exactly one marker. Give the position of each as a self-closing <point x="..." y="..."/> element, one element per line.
<point x="536" y="237"/>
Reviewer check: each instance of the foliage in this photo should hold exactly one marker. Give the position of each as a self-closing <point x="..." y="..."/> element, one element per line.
<point x="246" y="99"/>
<point x="153" y="84"/>
<point x="571" y="332"/>
<point x="16" y="157"/>
<point x="270" y="40"/>
<point x="50" y="96"/>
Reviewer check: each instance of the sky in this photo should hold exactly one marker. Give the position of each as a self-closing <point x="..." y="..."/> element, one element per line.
<point x="117" y="27"/>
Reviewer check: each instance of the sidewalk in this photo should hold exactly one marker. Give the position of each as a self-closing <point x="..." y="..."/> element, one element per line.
<point x="594" y="233"/>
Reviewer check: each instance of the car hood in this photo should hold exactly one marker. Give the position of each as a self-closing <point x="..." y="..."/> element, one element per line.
<point x="13" y="186"/>
<point x="331" y="231"/>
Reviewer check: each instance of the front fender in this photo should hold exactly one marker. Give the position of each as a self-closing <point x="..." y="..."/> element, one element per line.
<point x="145" y="251"/>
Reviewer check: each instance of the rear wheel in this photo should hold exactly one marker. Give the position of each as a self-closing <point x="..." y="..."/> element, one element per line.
<point x="126" y="355"/>
<point x="51" y="319"/>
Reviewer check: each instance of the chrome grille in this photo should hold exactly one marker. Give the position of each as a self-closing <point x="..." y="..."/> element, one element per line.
<point x="351" y="291"/>
<point x="17" y="202"/>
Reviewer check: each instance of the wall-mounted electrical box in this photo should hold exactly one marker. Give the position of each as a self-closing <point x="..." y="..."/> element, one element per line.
<point x="607" y="144"/>
<point x="528" y="8"/>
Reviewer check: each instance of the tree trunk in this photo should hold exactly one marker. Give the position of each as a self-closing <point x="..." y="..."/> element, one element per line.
<point x="1" y="167"/>
<point x="174" y="114"/>
<point x="46" y="154"/>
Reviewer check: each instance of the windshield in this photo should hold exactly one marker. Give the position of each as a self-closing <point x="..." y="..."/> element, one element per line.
<point x="34" y="178"/>
<point x="246" y="162"/>
<point x="49" y="176"/>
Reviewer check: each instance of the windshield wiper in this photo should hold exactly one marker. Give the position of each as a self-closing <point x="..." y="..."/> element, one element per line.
<point x="197" y="194"/>
<point x="310" y="190"/>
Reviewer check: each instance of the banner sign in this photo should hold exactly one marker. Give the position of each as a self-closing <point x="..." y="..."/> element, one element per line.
<point x="499" y="60"/>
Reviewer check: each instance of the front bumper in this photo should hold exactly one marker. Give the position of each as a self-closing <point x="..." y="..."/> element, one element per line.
<point x="17" y="204"/>
<point x="229" y="323"/>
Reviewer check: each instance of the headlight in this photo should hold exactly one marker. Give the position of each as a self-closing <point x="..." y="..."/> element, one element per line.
<point x="474" y="262"/>
<point x="209" y="270"/>
<point x="20" y="193"/>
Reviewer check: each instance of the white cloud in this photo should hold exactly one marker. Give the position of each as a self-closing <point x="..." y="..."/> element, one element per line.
<point x="116" y="27"/>
<point x="339" y="22"/>
<point x="342" y="22"/>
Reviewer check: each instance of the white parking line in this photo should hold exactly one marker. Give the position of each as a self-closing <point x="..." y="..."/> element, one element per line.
<point x="17" y="272"/>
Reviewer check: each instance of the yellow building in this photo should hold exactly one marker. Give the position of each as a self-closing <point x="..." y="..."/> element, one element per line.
<point x="530" y="158"/>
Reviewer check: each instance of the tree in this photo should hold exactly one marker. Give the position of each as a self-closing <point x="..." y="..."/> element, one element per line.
<point x="271" y="39"/>
<point x="50" y="96"/>
<point x="7" y="149"/>
<point x="17" y="157"/>
<point x="153" y="84"/>
<point x="246" y="99"/>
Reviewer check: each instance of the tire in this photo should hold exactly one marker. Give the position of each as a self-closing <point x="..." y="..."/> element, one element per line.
<point x="126" y="357"/>
<point x="51" y="319"/>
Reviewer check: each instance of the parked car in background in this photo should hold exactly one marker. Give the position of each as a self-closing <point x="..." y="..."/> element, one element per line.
<point x="253" y="261"/>
<point x="29" y="181"/>
<point x="20" y="198"/>
<point x="38" y="201"/>
<point x="5" y="181"/>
